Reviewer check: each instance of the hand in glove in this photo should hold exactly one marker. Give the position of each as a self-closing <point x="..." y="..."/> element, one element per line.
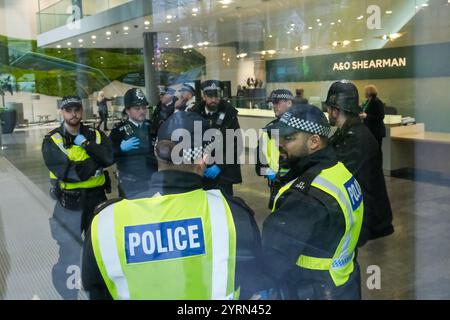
<point x="79" y="139"/>
<point x="212" y="172"/>
<point x="130" y="144"/>
<point x="271" y="175"/>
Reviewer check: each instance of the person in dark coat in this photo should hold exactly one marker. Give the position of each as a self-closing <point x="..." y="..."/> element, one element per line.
<point x="133" y="148"/>
<point x="102" y="104"/>
<point x="373" y="113"/>
<point x="222" y="116"/>
<point x="357" y="148"/>
<point x="164" y="109"/>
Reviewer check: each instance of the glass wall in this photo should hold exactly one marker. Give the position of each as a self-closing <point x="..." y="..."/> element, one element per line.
<point x="255" y="46"/>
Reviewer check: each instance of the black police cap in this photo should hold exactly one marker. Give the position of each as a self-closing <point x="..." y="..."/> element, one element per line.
<point x="280" y="94"/>
<point x="302" y="118"/>
<point x="343" y="95"/>
<point x="70" y="101"/>
<point x="135" y="98"/>
<point x="211" y="88"/>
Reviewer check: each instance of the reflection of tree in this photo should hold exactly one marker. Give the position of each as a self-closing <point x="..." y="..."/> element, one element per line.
<point x="6" y="85"/>
<point x="4" y="262"/>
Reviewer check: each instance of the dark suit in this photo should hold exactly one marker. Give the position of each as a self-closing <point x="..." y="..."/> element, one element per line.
<point x="374" y="108"/>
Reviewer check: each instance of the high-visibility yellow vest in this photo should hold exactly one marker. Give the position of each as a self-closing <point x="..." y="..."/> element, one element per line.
<point x="77" y="153"/>
<point x="178" y="246"/>
<point x="339" y="183"/>
<point x="271" y="151"/>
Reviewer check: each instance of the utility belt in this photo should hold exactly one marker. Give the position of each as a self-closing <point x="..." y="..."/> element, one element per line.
<point x="72" y="199"/>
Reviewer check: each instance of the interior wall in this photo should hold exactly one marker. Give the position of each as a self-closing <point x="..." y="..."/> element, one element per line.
<point x="18" y="18"/>
<point x="426" y="99"/>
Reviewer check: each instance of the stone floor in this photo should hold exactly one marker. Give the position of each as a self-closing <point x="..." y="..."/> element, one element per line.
<point x="414" y="262"/>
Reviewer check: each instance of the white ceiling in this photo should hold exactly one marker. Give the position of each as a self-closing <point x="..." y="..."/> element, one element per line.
<point x="279" y="25"/>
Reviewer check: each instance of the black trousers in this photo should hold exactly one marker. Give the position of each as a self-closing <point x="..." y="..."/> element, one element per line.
<point x="91" y="198"/>
<point x="104" y="120"/>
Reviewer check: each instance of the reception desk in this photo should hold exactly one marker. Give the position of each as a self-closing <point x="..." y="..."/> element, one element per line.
<point x="412" y="147"/>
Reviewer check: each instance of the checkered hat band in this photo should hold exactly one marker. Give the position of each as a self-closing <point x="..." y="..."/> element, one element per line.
<point x="282" y="96"/>
<point x="308" y="126"/>
<point x="192" y="154"/>
<point x="70" y="101"/>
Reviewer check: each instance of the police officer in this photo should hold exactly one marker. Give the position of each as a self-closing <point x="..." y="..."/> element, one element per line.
<point x="164" y="109"/>
<point x="358" y="149"/>
<point x="268" y="154"/>
<point x="76" y="156"/>
<point x="133" y="149"/>
<point x="309" y="240"/>
<point x="187" y="98"/>
<point x="221" y="116"/>
<point x="179" y="241"/>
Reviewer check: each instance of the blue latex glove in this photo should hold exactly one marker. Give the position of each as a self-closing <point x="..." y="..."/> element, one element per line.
<point x="212" y="172"/>
<point x="79" y="139"/>
<point x="130" y="144"/>
<point x="271" y="175"/>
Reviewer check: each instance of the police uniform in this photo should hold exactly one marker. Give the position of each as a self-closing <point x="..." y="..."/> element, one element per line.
<point x="358" y="149"/>
<point x="162" y="112"/>
<point x="268" y="154"/>
<point x="309" y="240"/>
<point x="178" y="242"/>
<point x="189" y="104"/>
<point x="225" y="117"/>
<point x="77" y="171"/>
<point x="136" y="166"/>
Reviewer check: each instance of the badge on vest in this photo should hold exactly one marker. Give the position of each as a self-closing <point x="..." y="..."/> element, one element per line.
<point x="354" y="192"/>
<point x="164" y="240"/>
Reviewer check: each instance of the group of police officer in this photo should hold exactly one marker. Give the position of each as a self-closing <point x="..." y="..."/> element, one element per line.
<point x="177" y="232"/>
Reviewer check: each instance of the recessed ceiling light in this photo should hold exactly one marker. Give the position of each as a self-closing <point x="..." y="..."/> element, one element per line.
<point x="225" y="1"/>
<point x="69" y="43"/>
<point x="332" y="23"/>
<point x="310" y="28"/>
<point x="335" y="43"/>
<point x="339" y="20"/>
<point x="271" y="51"/>
<point x="146" y="22"/>
<point x="305" y="47"/>
<point x="166" y="38"/>
<point x="146" y="28"/>
<point x="360" y="18"/>
<point x="126" y="28"/>
<point x="93" y="42"/>
<point x="320" y="24"/>
<point x="345" y="43"/>
<point x="194" y="14"/>
<point x="125" y="33"/>
<point x="224" y="6"/>
<point x="169" y="17"/>
<point x="318" y="20"/>
<point x="108" y="33"/>
<point x="425" y="5"/>
<point x="358" y="40"/>
<point x="389" y="12"/>
<point x="194" y="9"/>
<point x="80" y="40"/>
<point x="270" y="36"/>
<point x="93" y="37"/>
<point x="108" y="38"/>
<point x="58" y="46"/>
<point x="288" y="32"/>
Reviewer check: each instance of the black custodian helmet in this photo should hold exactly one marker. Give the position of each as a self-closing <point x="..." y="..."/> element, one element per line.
<point x="135" y="98"/>
<point x="344" y="95"/>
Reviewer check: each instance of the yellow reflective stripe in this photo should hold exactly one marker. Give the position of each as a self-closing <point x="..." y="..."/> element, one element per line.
<point x="98" y="137"/>
<point x="280" y="192"/>
<point x="90" y="183"/>
<point x="323" y="264"/>
<point x="58" y="140"/>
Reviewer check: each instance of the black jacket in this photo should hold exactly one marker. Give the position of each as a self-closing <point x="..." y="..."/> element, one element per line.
<point x="358" y="150"/>
<point x="249" y="275"/>
<point x="375" y="116"/>
<point x="311" y="224"/>
<point x="230" y="172"/>
<point x="159" y="115"/>
<point x="101" y="155"/>
<point x="140" y="163"/>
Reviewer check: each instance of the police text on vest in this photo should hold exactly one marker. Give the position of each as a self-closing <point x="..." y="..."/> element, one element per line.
<point x="164" y="240"/>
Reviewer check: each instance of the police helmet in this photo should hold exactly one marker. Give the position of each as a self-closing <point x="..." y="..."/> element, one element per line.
<point x="135" y="98"/>
<point x="343" y="95"/>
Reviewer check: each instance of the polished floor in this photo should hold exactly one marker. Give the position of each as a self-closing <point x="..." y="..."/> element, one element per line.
<point x="39" y="252"/>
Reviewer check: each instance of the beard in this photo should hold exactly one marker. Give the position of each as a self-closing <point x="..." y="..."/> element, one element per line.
<point x="73" y="121"/>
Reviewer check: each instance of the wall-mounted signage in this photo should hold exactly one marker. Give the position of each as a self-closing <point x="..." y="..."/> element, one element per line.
<point x="404" y="62"/>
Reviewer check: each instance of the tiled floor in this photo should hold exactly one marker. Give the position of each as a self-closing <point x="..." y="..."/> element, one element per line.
<point x="414" y="262"/>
